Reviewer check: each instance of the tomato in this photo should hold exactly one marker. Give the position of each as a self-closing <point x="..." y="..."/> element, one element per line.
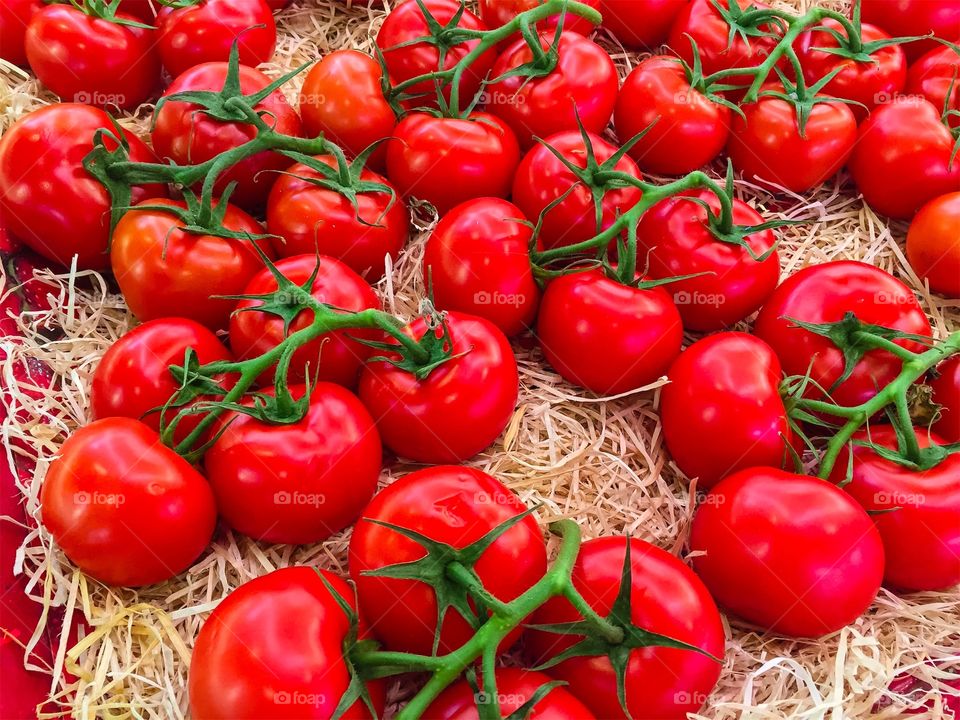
<point x="933" y="244"/>
<point x="675" y="239"/>
<point x="722" y="410"/>
<point x="946" y="393"/>
<point x="933" y="77"/>
<point x="84" y="58"/>
<point x="453" y="505"/>
<point x="164" y="271"/>
<point x="542" y="178"/>
<point x="309" y="219"/>
<point x="915" y="17"/>
<point x="605" y="336"/>
<point x="206" y="31"/>
<point x="274" y="649"/>
<point x="495" y="13"/>
<point x="460" y="408"/>
<point x="125" y="508"/>
<point x="640" y="24"/>
<point x="791" y="554"/>
<point x="582" y="84"/>
<point x="447" y="160"/>
<point x="477" y="261"/>
<point x="14" y="17"/>
<point x="47" y="198"/>
<point x="301" y="482"/>
<point x="902" y="158"/>
<point x="824" y="294"/>
<point x="666" y="598"/>
<point x="335" y="356"/>
<point x="184" y="134"/>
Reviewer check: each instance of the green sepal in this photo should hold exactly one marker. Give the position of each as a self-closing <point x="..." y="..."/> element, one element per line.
<point x="98" y="162"/>
<point x="106" y="10"/>
<point x="436" y="350"/>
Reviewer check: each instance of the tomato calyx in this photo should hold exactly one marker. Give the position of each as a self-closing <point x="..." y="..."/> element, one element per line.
<point x="850" y="44"/>
<point x="803" y="97"/>
<point x="107" y="10"/>
<point x="711" y="90"/>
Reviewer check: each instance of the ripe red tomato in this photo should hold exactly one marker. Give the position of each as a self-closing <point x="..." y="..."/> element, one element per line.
<point x="583" y="84"/>
<point x="915" y="17"/>
<point x="335" y="356"/>
<point x="84" y="58"/>
<point x="675" y="239"/>
<point x="542" y="178"/>
<point x="824" y="294"/>
<point x="605" y="336"/>
<point x="297" y="483"/>
<point x="722" y="410"/>
<point x="453" y="505"/>
<point x="933" y="244"/>
<point x="495" y="13"/>
<point x="640" y="24"/>
<point x="460" y="408"/>
<point x="666" y="598"/>
<point x="14" y="17"/>
<point x="274" y="649"/>
<point x="446" y="161"/>
<point x="164" y="271"/>
<point x="933" y="77"/>
<point x="184" y="134"/>
<point x="47" y="198"/>
<point x="477" y="261"/>
<point x="791" y="554"/>
<point x="206" y="31"/>
<point x="902" y="158"/>
<point x="946" y="393"/>
<point x="125" y="508"/>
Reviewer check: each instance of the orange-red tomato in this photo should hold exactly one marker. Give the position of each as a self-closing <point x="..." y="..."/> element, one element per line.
<point x="933" y="244"/>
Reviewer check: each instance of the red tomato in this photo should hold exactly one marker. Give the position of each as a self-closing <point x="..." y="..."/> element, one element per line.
<point x="666" y="598"/>
<point x="84" y="58"/>
<point x="825" y="293"/>
<point x="274" y="649"/>
<point x="933" y="244"/>
<point x="144" y="10"/>
<point x="206" y="31"/>
<point x="125" y="508"/>
<point x="47" y="198"/>
<point x="583" y="84"/>
<point x="14" y="17"/>
<point x="460" y="408"/>
<point x="184" y="134"/>
<point x="297" y="483"/>
<point x="915" y="17"/>
<point x="499" y="12"/>
<point x="607" y="337"/>
<point x="164" y="271"/>
<point x="675" y="239"/>
<point x="946" y="393"/>
<point x="640" y="24"/>
<point x="335" y="356"/>
<point x="686" y="131"/>
<point x="477" y="261"/>
<point x="791" y="554"/>
<point x="933" y="77"/>
<point x="447" y="160"/>
<point x="542" y="178"/>
<point x="722" y="410"/>
<point x="453" y="505"/>
<point x="902" y="158"/>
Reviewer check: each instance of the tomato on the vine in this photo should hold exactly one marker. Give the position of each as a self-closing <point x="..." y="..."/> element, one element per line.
<point x="945" y="389"/>
<point x="915" y="17"/>
<point x="495" y="13"/>
<point x="934" y="76"/>
<point x="640" y="24"/>
<point x="933" y="244"/>
<point x="14" y="17"/>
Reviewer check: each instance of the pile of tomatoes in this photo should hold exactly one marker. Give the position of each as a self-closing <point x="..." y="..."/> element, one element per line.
<point x="265" y="387"/>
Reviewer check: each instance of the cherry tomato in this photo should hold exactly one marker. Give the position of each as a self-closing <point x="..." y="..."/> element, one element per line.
<point x="946" y="393"/>
<point x="125" y="508"/>
<point x="14" y="17"/>
<point x="933" y="244"/>
<point x="477" y="261"/>
<point x="460" y="408"/>
<point x="666" y="598"/>
<point x="165" y="271"/>
<point x="933" y="77"/>
<point x="791" y="554"/>
<point x="495" y="13"/>
<point x="453" y="505"/>
<point x="915" y="17"/>
<point x="640" y="24"/>
<point x="47" y="198"/>
<point x="605" y="336"/>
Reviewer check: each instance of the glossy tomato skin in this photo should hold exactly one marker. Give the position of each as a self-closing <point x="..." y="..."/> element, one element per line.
<point x="542" y="178"/>
<point x="946" y="393"/>
<point x="185" y="135"/>
<point x="607" y="337"/>
<point x="335" y="356"/>
<point x="495" y="13"/>
<point x="722" y="410"/>
<point x="902" y="158"/>
<point x="640" y="24"/>
<point x="297" y="483"/>
<point x="825" y="293"/>
<point x="47" y="198"/>
<point x="675" y="239"/>
<point x="915" y="17"/>
<point x="274" y="649"/>
<point x="205" y="32"/>
<point x="764" y="539"/>
<point x="666" y="598"/>
<point x="583" y="84"/>
<point x="932" y="76"/>
<point x="446" y="161"/>
<point x="126" y="509"/>
<point x="477" y="261"/>
<point x="164" y="271"/>
<point x="459" y="409"/>
<point x="450" y="504"/>
<point x="933" y="244"/>
<point x="14" y="17"/>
